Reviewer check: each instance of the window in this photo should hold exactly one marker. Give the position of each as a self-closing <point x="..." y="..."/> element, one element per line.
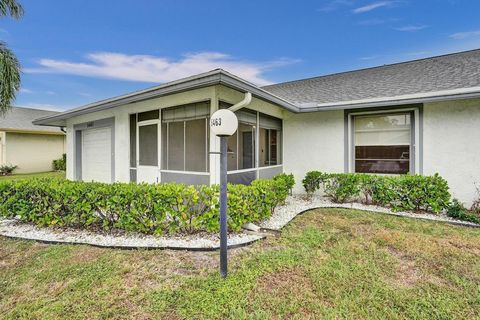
<point x="196" y="145"/>
<point x="382" y="143"/>
<point x="241" y="145"/>
<point x="185" y="137"/>
<point x="242" y="148"/>
<point x="270" y="141"/>
<point x="174" y="149"/>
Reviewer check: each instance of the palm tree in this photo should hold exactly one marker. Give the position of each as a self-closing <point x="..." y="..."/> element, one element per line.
<point x="9" y="65"/>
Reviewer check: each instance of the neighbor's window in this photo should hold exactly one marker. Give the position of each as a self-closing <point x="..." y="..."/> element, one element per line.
<point x="185" y="137"/>
<point x="382" y="143"/>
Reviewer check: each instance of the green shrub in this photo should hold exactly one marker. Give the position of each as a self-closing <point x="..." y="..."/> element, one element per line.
<point x="313" y="180"/>
<point x="404" y="192"/>
<point x="458" y="211"/>
<point x="7" y="169"/>
<point x="415" y="192"/>
<point x="168" y="208"/>
<point x="341" y="187"/>
<point x="289" y="180"/>
<point x="60" y="164"/>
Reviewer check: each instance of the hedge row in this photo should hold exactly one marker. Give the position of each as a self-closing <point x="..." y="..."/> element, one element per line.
<point x="400" y="193"/>
<point x="152" y="209"/>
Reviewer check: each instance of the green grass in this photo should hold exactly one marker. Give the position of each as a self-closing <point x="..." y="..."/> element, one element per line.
<point x="52" y="174"/>
<point x="328" y="263"/>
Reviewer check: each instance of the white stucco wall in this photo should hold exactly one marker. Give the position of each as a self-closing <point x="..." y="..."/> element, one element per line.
<point x="313" y="141"/>
<point x="451" y="136"/>
<point x="451" y="144"/>
<point x="33" y="152"/>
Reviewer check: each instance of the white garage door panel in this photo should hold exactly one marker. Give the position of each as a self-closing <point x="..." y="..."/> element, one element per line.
<point x="97" y="155"/>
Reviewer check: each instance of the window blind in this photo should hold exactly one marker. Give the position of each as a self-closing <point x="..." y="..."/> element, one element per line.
<point x="192" y="111"/>
<point x="391" y="130"/>
<point x="270" y="122"/>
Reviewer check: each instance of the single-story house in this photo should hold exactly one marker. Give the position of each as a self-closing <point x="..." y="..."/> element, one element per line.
<point x="30" y="147"/>
<point x="418" y="117"/>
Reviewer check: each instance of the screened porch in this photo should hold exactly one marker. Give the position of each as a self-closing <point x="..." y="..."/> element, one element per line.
<point x="174" y="145"/>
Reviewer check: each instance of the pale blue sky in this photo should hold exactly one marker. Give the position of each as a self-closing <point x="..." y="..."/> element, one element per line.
<point x="76" y="52"/>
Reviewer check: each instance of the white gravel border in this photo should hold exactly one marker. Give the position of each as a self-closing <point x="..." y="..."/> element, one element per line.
<point x="294" y="205"/>
<point x="15" y="229"/>
<point x="299" y="203"/>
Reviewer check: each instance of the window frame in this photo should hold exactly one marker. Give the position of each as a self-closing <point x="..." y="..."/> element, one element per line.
<point x="416" y="114"/>
<point x="268" y="144"/>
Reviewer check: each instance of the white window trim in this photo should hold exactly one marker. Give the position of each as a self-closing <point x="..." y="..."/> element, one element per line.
<point x="416" y="133"/>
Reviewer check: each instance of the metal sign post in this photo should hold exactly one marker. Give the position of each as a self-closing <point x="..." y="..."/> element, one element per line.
<point x="223" y="123"/>
<point x="223" y="206"/>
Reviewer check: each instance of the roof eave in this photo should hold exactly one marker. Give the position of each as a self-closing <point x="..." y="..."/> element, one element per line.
<point x="174" y="87"/>
<point x="391" y="102"/>
<point x="45" y="132"/>
<point x="214" y="77"/>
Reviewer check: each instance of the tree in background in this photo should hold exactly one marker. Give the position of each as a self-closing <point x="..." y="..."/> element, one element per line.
<point x="9" y="65"/>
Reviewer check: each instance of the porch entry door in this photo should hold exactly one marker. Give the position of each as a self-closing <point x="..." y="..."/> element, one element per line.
<point x="148" y="166"/>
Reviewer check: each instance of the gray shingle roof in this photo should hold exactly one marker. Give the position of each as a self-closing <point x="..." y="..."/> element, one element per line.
<point x="447" y="72"/>
<point x="20" y="119"/>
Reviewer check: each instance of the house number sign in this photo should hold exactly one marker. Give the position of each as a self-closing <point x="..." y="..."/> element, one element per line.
<point x="223" y="122"/>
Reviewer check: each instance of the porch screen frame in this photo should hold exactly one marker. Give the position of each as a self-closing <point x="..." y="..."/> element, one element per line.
<point x="165" y="124"/>
<point x="245" y="176"/>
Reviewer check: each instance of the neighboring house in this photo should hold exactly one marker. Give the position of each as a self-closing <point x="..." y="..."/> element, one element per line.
<point x="30" y="147"/>
<point x="419" y="117"/>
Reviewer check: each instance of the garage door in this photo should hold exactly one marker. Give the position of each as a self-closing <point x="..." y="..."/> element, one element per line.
<point x="97" y="155"/>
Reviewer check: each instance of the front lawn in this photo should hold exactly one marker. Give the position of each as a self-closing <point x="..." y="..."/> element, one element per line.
<point x="52" y="174"/>
<point x="328" y="263"/>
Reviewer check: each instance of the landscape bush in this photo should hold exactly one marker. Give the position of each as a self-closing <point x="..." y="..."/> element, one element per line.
<point x="313" y="180"/>
<point x="400" y="193"/>
<point x="168" y="208"/>
<point x="60" y="164"/>
<point x="7" y="169"/>
<point x="289" y="180"/>
<point x="458" y="211"/>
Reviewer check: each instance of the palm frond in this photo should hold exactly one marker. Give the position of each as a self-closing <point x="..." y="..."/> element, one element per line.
<point x="11" y="8"/>
<point x="9" y="77"/>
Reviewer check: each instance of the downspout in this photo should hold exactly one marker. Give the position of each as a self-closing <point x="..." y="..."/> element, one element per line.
<point x="245" y="102"/>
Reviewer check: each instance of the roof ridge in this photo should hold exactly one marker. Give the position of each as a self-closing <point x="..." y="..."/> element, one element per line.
<point x="374" y="67"/>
